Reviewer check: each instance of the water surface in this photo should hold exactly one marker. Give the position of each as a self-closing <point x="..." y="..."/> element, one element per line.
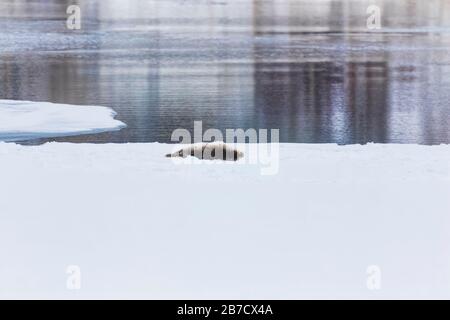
<point x="310" y="68"/>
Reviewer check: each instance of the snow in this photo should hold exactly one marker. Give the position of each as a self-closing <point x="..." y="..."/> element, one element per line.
<point x="142" y="226"/>
<point x="20" y="120"/>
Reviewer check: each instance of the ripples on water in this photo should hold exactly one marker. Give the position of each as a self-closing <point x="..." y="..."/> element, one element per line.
<point x="309" y="68"/>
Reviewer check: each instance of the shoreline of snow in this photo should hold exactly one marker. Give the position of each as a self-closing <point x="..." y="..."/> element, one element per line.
<point x="331" y="161"/>
<point x="140" y="226"/>
<point x="25" y="120"/>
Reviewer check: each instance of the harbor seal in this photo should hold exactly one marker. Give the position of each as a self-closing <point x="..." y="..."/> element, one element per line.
<point x="209" y="151"/>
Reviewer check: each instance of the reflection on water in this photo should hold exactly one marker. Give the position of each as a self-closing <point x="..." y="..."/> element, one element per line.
<point x="310" y="68"/>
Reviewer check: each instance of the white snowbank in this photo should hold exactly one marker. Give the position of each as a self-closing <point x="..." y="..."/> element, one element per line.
<point x="140" y="226"/>
<point x="20" y="120"/>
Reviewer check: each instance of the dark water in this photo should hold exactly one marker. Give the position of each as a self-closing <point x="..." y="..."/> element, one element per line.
<point x="310" y="68"/>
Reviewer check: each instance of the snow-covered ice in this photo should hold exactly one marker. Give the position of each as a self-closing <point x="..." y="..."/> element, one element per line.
<point x="140" y="226"/>
<point x="21" y="120"/>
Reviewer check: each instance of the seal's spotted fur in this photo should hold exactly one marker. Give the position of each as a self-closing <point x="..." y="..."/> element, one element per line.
<point x="209" y="151"/>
